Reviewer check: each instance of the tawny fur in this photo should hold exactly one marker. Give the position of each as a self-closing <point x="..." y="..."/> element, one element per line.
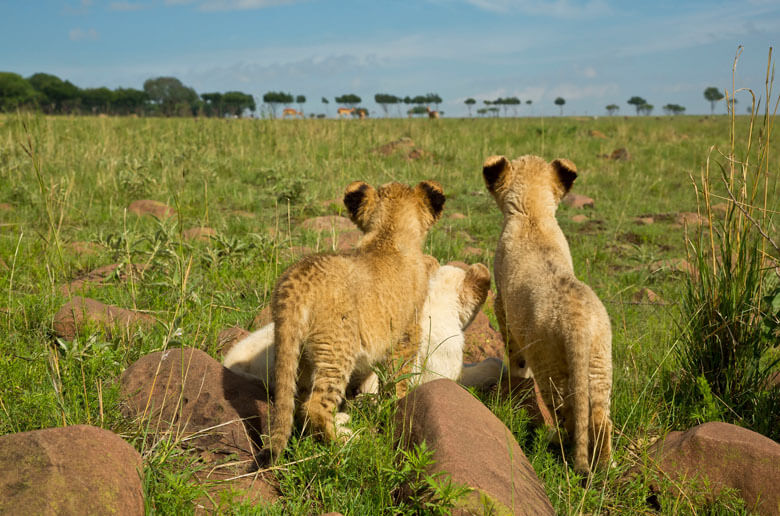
<point x="454" y="298"/>
<point x="549" y="319"/>
<point x="337" y="313"/>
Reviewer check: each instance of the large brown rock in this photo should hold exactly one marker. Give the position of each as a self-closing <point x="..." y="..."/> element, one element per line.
<point x="474" y="447"/>
<point x="726" y="455"/>
<point x="188" y="393"/>
<point x="102" y="275"/>
<point x="344" y="241"/>
<point x="150" y="207"/>
<point x="526" y="394"/>
<point x="229" y="337"/>
<point x="81" y="311"/>
<point x="482" y="341"/>
<point x="73" y="470"/>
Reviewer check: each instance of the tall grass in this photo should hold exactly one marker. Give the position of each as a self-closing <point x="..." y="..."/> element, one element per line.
<point x="726" y="350"/>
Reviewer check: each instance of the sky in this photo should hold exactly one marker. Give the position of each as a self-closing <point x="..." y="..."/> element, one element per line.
<point x="590" y="52"/>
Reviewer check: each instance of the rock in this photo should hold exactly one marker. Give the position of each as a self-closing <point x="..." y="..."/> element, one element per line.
<point x="482" y="341"/>
<point x="726" y="455"/>
<point x="457" y="428"/>
<point x="101" y="275"/>
<point x="262" y="318"/>
<point x="150" y="207"/>
<point x="344" y="241"/>
<point x="687" y="218"/>
<point x="328" y="223"/>
<point x="595" y="133"/>
<point x="469" y="251"/>
<point x="188" y="393"/>
<point x="403" y="144"/>
<point x="456" y="216"/>
<point x="579" y="218"/>
<point x="80" y="311"/>
<point x="73" y="470"/>
<point x="574" y="200"/>
<point x="202" y="234"/>
<point x="620" y="155"/>
<point x="219" y="475"/>
<point x="673" y="264"/>
<point x="644" y="221"/>
<point x="466" y="237"/>
<point x="645" y="296"/>
<point x="228" y="337"/>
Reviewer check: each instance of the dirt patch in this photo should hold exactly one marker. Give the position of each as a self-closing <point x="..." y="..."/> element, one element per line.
<point x="344" y="241"/>
<point x="150" y="207"/>
<point x="328" y="223"/>
<point x="102" y="276"/>
<point x="579" y="219"/>
<point x="595" y="133"/>
<point x="631" y="237"/>
<point x="578" y="201"/>
<point x="456" y="216"/>
<point x="403" y="147"/>
<point x="84" y="248"/>
<point x="645" y="296"/>
<point x="591" y="226"/>
<point x="620" y="154"/>
<point x="202" y="234"/>
<point x="644" y="221"/>
<point x="80" y="311"/>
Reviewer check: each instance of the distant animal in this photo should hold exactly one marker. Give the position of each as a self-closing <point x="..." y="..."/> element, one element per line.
<point x="453" y="300"/>
<point x="291" y="112"/>
<point x="334" y="314"/>
<point x="342" y="111"/>
<point x="550" y="320"/>
<point x="432" y="113"/>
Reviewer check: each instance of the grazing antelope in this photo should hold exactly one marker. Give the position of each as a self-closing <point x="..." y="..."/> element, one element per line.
<point x="291" y="112"/>
<point x="342" y="111"/>
<point x="432" y="113"/>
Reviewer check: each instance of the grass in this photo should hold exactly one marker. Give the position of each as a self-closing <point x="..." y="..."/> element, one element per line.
<point x="70" y="179"/>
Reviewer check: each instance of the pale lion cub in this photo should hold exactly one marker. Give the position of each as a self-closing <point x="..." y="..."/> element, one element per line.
<point x="454" y="298"/>
<point x="334" y="313"/>
<point x="547" y="316"/>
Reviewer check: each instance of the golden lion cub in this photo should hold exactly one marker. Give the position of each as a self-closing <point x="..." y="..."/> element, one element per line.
<point x="548" y="318"/>
<point x="335" y="313"/>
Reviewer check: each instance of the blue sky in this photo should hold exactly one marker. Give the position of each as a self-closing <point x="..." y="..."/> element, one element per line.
<point x="590" y="52"/>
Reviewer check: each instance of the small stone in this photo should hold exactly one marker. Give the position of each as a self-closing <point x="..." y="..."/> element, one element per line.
<point x="472" y="251"/>
<point x="574" y="200"/>
<point x="644" y="221"/>
<point x="344" y="241"/>
<point x="457" y="216"/>
<point x="595" y="133"/>
<point x="579" y="218"/>
<point x="202" y="234"/>
<point x="150" y="207"/>
<point x="620" y="155"/>
<point x="646" y="296"/>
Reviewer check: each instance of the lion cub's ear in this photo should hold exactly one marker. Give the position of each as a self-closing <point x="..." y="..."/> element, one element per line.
<point x="494" y="171"/>
<point x="566" y="172"/>
<point x="433" y="196"/>
<point x="360" y="199"/>
<point x="473" y="293"/>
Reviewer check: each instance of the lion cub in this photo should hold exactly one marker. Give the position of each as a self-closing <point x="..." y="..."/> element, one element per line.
<point x="454" y="298"/>
<point x="547" y="316"/>
<point x="334" y="313"/>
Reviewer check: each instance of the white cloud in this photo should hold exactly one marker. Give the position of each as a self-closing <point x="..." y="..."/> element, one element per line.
<point x="589" y="72"/>
<point x="552" y="8"/>
<point x="126" y="6"/>
<point x="81" y="34"/>
<point x="231" y="5"/>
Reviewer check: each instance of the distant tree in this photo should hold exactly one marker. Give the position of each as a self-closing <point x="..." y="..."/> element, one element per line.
<point x="433" y="98"/>
<point x="560" y="101"/>
<point x="417" y="110"/>
<point x="236" y="102"/>
<point x="348" y="99"/>
<point x="673" y="109"/>
<point x="713" y="95"/>
<point x="528" y="102"/>
<point x="637" y="102"/>
<point x="170" y="96"/>
<point x="469" y="102"/>
<point x="96" y="100"/>
<point x="646" y="109"/>
<point x="513" y="102"/>
<point x="482" y="111"/>
<point x="129" y="100"/>
<point x="612" y="109"/>
<point x="360" y="112"/>
<point x="500" y="102"/>
<point x="300" y="100"/>
<point x="56" y="95"/>
<point x="324" y="100"/>
<point x="385" y="100"/>
<point x="493" y="110"/>
<point x="16" y="92"/>
<point x="212" y="103"/>
<point x="274" y="98"/>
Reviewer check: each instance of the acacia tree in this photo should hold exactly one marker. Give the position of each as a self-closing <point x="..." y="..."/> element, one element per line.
<point x="274" y="98"/>
<point x="213" y="104"/>
<point x="646" y="109"/>
<point x="469" y="102"/>
<point x="348" y="99"/>
<point x="300" y="100"/>
<point x="236" y="102"/>
<point x="15" y="92"/>
<point x="612" y="109"/>
<point x="713" y="95"/>
<point x="637" y="102"/>
<point x="385" y="100"/>
<point x="96" y="100"/>
<point x="170" y="96"/>
<point x="673" y="109"/>
<point x="129" y="100"/>
<point x="560" y="101"/>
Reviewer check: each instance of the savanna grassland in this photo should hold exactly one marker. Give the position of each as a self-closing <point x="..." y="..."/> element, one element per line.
<point x="66" y="180"/>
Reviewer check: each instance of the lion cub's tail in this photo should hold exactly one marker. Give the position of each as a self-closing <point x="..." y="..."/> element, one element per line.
<point x="288" y="337"/>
